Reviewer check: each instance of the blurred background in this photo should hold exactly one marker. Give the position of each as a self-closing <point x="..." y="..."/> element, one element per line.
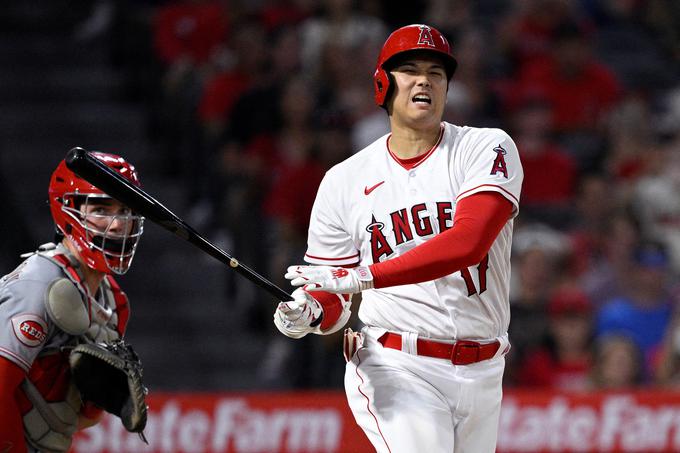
<point x="233" y="110"/>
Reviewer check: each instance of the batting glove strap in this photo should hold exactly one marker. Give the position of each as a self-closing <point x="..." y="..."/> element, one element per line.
<point x="365" y="277"/>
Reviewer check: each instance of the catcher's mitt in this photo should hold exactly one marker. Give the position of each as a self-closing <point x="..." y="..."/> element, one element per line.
<point x="110" y="376"/>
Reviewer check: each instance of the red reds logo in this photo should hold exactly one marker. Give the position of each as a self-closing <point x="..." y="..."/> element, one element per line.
<point x="425" y="38"/>
<point x="30" y="329"/>
<point x="340" y="273"/>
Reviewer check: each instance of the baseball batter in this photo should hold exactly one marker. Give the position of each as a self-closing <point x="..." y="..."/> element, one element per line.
<point x="60" y="296"/>
<point x="420" y="222"/>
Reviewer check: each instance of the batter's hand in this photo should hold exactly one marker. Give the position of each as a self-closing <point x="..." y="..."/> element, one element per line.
<point x="300" y="316"/>
<point x="338" y="280"/>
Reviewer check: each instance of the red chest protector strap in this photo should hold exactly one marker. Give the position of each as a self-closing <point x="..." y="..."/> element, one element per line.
<point x="122" y="305"/>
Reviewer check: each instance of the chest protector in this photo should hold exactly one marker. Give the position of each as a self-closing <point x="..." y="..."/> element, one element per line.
<point x="50" y="402"/>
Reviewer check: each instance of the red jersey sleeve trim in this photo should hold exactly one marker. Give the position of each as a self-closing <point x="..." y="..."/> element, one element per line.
<point x="331" y="259"/>
<point x="489" y="185"/>
<point x="122" y="305"/>
<point x="351" y="260"/>
<point x="13" y="357"/>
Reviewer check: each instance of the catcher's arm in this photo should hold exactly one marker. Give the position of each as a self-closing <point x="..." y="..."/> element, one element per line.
<point x="11" y="426"/>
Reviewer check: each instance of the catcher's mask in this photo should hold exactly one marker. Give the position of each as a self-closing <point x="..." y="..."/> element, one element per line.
<point x="411" y="38"/>
<point x="105" y="232"/>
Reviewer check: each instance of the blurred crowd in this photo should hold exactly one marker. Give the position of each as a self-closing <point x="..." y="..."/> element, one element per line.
<point x="250" y="102"/>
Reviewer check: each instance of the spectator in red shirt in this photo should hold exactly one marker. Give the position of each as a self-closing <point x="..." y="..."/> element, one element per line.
<point x="187" y="35"/>
<point x="275" y="14"/>
<point x="296" y="177"/>
<point x="245" y="65"/>
<point x="579" y="88"/>
<point x="290" y="200"/>
<point x="565" y="362"/>
<point x="550" y="172"/>
<point x="527" y="34"/>
<point x="189" y="29"/>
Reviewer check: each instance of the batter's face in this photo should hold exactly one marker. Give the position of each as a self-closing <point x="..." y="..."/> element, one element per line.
<point x="420" y="92"/>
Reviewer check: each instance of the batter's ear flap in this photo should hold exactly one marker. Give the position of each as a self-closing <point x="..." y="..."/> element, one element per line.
<point x="382" y="85"/>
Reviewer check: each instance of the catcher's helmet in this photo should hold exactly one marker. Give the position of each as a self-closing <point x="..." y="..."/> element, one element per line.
<point x="106" y="251"/>
<point x="416" y="37"/>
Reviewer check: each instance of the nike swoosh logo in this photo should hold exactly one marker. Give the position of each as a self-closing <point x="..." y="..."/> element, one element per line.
<point x="368" y="190"/>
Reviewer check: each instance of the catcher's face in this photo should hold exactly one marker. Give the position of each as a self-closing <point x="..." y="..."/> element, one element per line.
<point x="108" y="216"/>
<point x="112" y="232"/>
<point x="420" y="92"/>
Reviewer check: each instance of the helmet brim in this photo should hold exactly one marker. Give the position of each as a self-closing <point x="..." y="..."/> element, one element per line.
<point x="450" y="63"/>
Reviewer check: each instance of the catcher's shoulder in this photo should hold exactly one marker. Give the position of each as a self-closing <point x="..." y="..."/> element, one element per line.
<point x="26" y="287"/>
<point x="34" y="273"/>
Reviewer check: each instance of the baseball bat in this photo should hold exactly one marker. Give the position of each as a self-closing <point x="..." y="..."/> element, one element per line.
<point x="98" y="174"/>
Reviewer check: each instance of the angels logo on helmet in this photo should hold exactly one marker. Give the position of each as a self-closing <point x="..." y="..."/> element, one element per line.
<point x="425" y="37"/>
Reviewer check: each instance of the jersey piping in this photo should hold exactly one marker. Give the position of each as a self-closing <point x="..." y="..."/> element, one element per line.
<point x="368" y="402"/>
<point x="16" y="359"/>
<point x="356" y="255"/>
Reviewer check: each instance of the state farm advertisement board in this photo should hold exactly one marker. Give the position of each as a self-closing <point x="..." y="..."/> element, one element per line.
<point x="640" y="421"/>
<point x="253" y="423"/>
<point x="590" y="422"/>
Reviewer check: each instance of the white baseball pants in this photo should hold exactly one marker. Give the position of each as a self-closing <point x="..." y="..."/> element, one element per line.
<point x="407" y="403"/>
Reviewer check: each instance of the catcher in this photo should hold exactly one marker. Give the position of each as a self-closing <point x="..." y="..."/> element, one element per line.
<point x="63" y="316"/>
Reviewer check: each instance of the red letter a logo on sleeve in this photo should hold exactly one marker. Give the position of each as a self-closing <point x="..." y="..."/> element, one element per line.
<point x="499" y="163"/>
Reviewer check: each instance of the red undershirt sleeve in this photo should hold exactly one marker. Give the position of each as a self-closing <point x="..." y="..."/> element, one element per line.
<point x="11" y="423"/>
<point x="478" y="220"/>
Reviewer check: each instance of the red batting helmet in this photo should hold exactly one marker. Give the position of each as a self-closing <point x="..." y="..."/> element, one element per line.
<point x="416" y="37"/>
<point x="105" y="251"/>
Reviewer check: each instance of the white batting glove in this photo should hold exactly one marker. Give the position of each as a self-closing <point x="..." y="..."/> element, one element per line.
<point x="339" y="280"/>
<point x="300" y="316"/>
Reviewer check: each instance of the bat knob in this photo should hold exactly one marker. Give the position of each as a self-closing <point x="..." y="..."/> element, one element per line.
<point x="74" y="156"/>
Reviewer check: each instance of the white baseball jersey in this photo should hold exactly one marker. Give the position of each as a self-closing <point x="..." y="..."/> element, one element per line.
<point x="371" y="208"/>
